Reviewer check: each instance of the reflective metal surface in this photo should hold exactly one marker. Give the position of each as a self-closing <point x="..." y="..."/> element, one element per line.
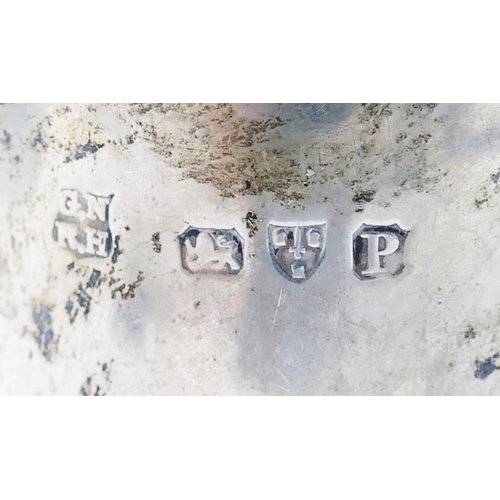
<point x="249" y="249"/>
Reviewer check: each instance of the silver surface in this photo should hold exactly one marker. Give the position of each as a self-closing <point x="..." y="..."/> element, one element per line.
<point x="397" y="292"/>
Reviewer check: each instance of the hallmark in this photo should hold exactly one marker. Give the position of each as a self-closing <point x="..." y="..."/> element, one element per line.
<point x="297" y="250"/>
<point x="214" y="251"/>
<point x="378" y="251"/>
<point x="82" y="224"/>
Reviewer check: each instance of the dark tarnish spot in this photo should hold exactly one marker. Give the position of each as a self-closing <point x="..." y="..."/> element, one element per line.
<point x="487" y="367"/>
<point x="84" y="299"/>
<point x="81" y="299"/>
<point x="118" y="290"/>
<point x="99" y="383"/>
<point x="479" y="202"/>
<point x="422" y="110"/>
<point x="117" y="251"/>
<point x="129" y="293"/>
<point x="86" y="388"/>
<point x="39" y="142"/>
<point x="470" y="333"/>
<point x="6" y="139"/>
<point x="156" y="242"/>
<point x="69" y="309"/>
<point x="94" y="277"/>
<point x="488" y="191"/>
<point x="90" y="148"/>
<point x="251" y="220"/>
<point x="364" y="196"/>
<point x="45" y="334"/>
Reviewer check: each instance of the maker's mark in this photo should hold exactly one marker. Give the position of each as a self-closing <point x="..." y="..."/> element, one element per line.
<point x="297" y="250"/>
<point x="82" y="224"/>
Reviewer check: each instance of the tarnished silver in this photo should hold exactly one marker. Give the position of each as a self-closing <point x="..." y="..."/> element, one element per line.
<point x="277" y="249"/>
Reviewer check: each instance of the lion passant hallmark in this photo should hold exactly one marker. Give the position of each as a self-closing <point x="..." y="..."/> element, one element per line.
<point x="218" y="251"/>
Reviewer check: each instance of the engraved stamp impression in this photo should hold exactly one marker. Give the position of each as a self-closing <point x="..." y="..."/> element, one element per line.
<point x="297" y="251"/>
<point x="214" y="251"/>
<point x="378" y="251"/>
<point x="82" y="224"/>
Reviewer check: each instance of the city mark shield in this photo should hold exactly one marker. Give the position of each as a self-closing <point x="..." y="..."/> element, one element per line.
<point x="297" y="250"/>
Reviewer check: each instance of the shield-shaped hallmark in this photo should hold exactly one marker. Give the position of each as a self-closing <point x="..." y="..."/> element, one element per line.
<point x="297" y="250"/>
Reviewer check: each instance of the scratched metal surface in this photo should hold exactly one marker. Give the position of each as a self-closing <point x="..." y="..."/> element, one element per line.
<point x="225" y="249"/>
